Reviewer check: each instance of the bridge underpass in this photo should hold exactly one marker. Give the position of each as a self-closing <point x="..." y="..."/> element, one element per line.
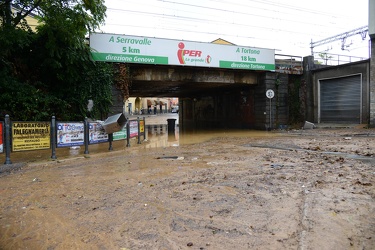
<point x="218" y="84"/>
<point x="209" y="97"/>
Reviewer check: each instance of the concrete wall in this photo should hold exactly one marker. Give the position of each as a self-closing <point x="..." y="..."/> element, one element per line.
<point x="308" y="67"/>
<point x="117" y="102"/>
<point x="278" y="106"/>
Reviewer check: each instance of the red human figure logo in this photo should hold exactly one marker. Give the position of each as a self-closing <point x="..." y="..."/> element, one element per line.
<point x="208" y="59"/>
<point x="180" y="53"/>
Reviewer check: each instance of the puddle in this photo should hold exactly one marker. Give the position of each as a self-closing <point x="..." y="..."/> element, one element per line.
<point x="294" y="147"/>
<point x="352" y="156"/>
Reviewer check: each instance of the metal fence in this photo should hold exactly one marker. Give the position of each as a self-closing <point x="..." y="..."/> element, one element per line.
<point x="324" y="58"/>
<point x="18" y="136"/>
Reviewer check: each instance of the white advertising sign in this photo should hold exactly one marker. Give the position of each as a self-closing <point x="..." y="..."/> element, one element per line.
<point x="145" y="50"/>
<point x="70" y="134"/>
<point x="97" y="133"/>
<point x="133" y="128"/>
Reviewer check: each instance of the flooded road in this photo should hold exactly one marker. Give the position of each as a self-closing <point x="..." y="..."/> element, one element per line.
<point x="209" y="190"/>
<point x="157" y="135"/>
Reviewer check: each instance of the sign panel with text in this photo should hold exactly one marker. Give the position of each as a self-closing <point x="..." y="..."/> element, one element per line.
<point x="97" y="133"/>
<point x="30" y="136"/>
<point x="147" y="50"/>
<point x="70" y="134"/>
<point x="133" y="125"/>
<point x="120" y="135"/>
<point x="142" y="126"/>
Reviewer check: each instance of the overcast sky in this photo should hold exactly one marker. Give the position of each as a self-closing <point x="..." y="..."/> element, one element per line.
<point x="284" y="25"/>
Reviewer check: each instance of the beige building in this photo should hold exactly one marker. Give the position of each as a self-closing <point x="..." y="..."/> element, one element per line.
<point x="30" y="19"/>
<point x="144" y="105"/>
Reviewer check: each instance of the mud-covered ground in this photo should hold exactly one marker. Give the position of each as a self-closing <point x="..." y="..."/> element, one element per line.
<point x="304" y="189"/>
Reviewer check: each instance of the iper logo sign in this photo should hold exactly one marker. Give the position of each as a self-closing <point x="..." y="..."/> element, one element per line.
<point x="147" y="50"/>
<point x="186" y="55"/>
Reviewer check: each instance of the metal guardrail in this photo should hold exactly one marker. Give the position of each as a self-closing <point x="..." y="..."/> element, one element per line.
<point x="293" y="65"/>
<point x="35" y="135"/>
<point x="289" y="64"/>
<point x="324" y="58"/>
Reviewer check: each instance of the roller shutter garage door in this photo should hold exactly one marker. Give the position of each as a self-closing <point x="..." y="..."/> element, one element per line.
<point x="340" y="100"/>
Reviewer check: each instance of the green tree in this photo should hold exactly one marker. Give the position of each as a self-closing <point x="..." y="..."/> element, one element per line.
<point x="50" y="71"/>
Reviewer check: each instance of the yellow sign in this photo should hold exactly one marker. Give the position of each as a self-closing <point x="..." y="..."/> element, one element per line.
<point x="141" y="126"/>
<point x="30" y="136"/>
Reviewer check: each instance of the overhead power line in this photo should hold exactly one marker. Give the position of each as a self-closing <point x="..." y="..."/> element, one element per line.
<point x="286" y="24"/>
<point x="343" y="36"/>
<point x="205" y="20"/>
<point x="240" y="11"/>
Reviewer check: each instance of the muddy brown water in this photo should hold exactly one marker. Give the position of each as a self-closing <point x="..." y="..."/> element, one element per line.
<point x="156" y="136"/>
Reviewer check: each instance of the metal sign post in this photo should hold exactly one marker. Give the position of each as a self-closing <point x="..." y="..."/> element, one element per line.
<point x="270" y="94"/>
<point x="7" y="140"/>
